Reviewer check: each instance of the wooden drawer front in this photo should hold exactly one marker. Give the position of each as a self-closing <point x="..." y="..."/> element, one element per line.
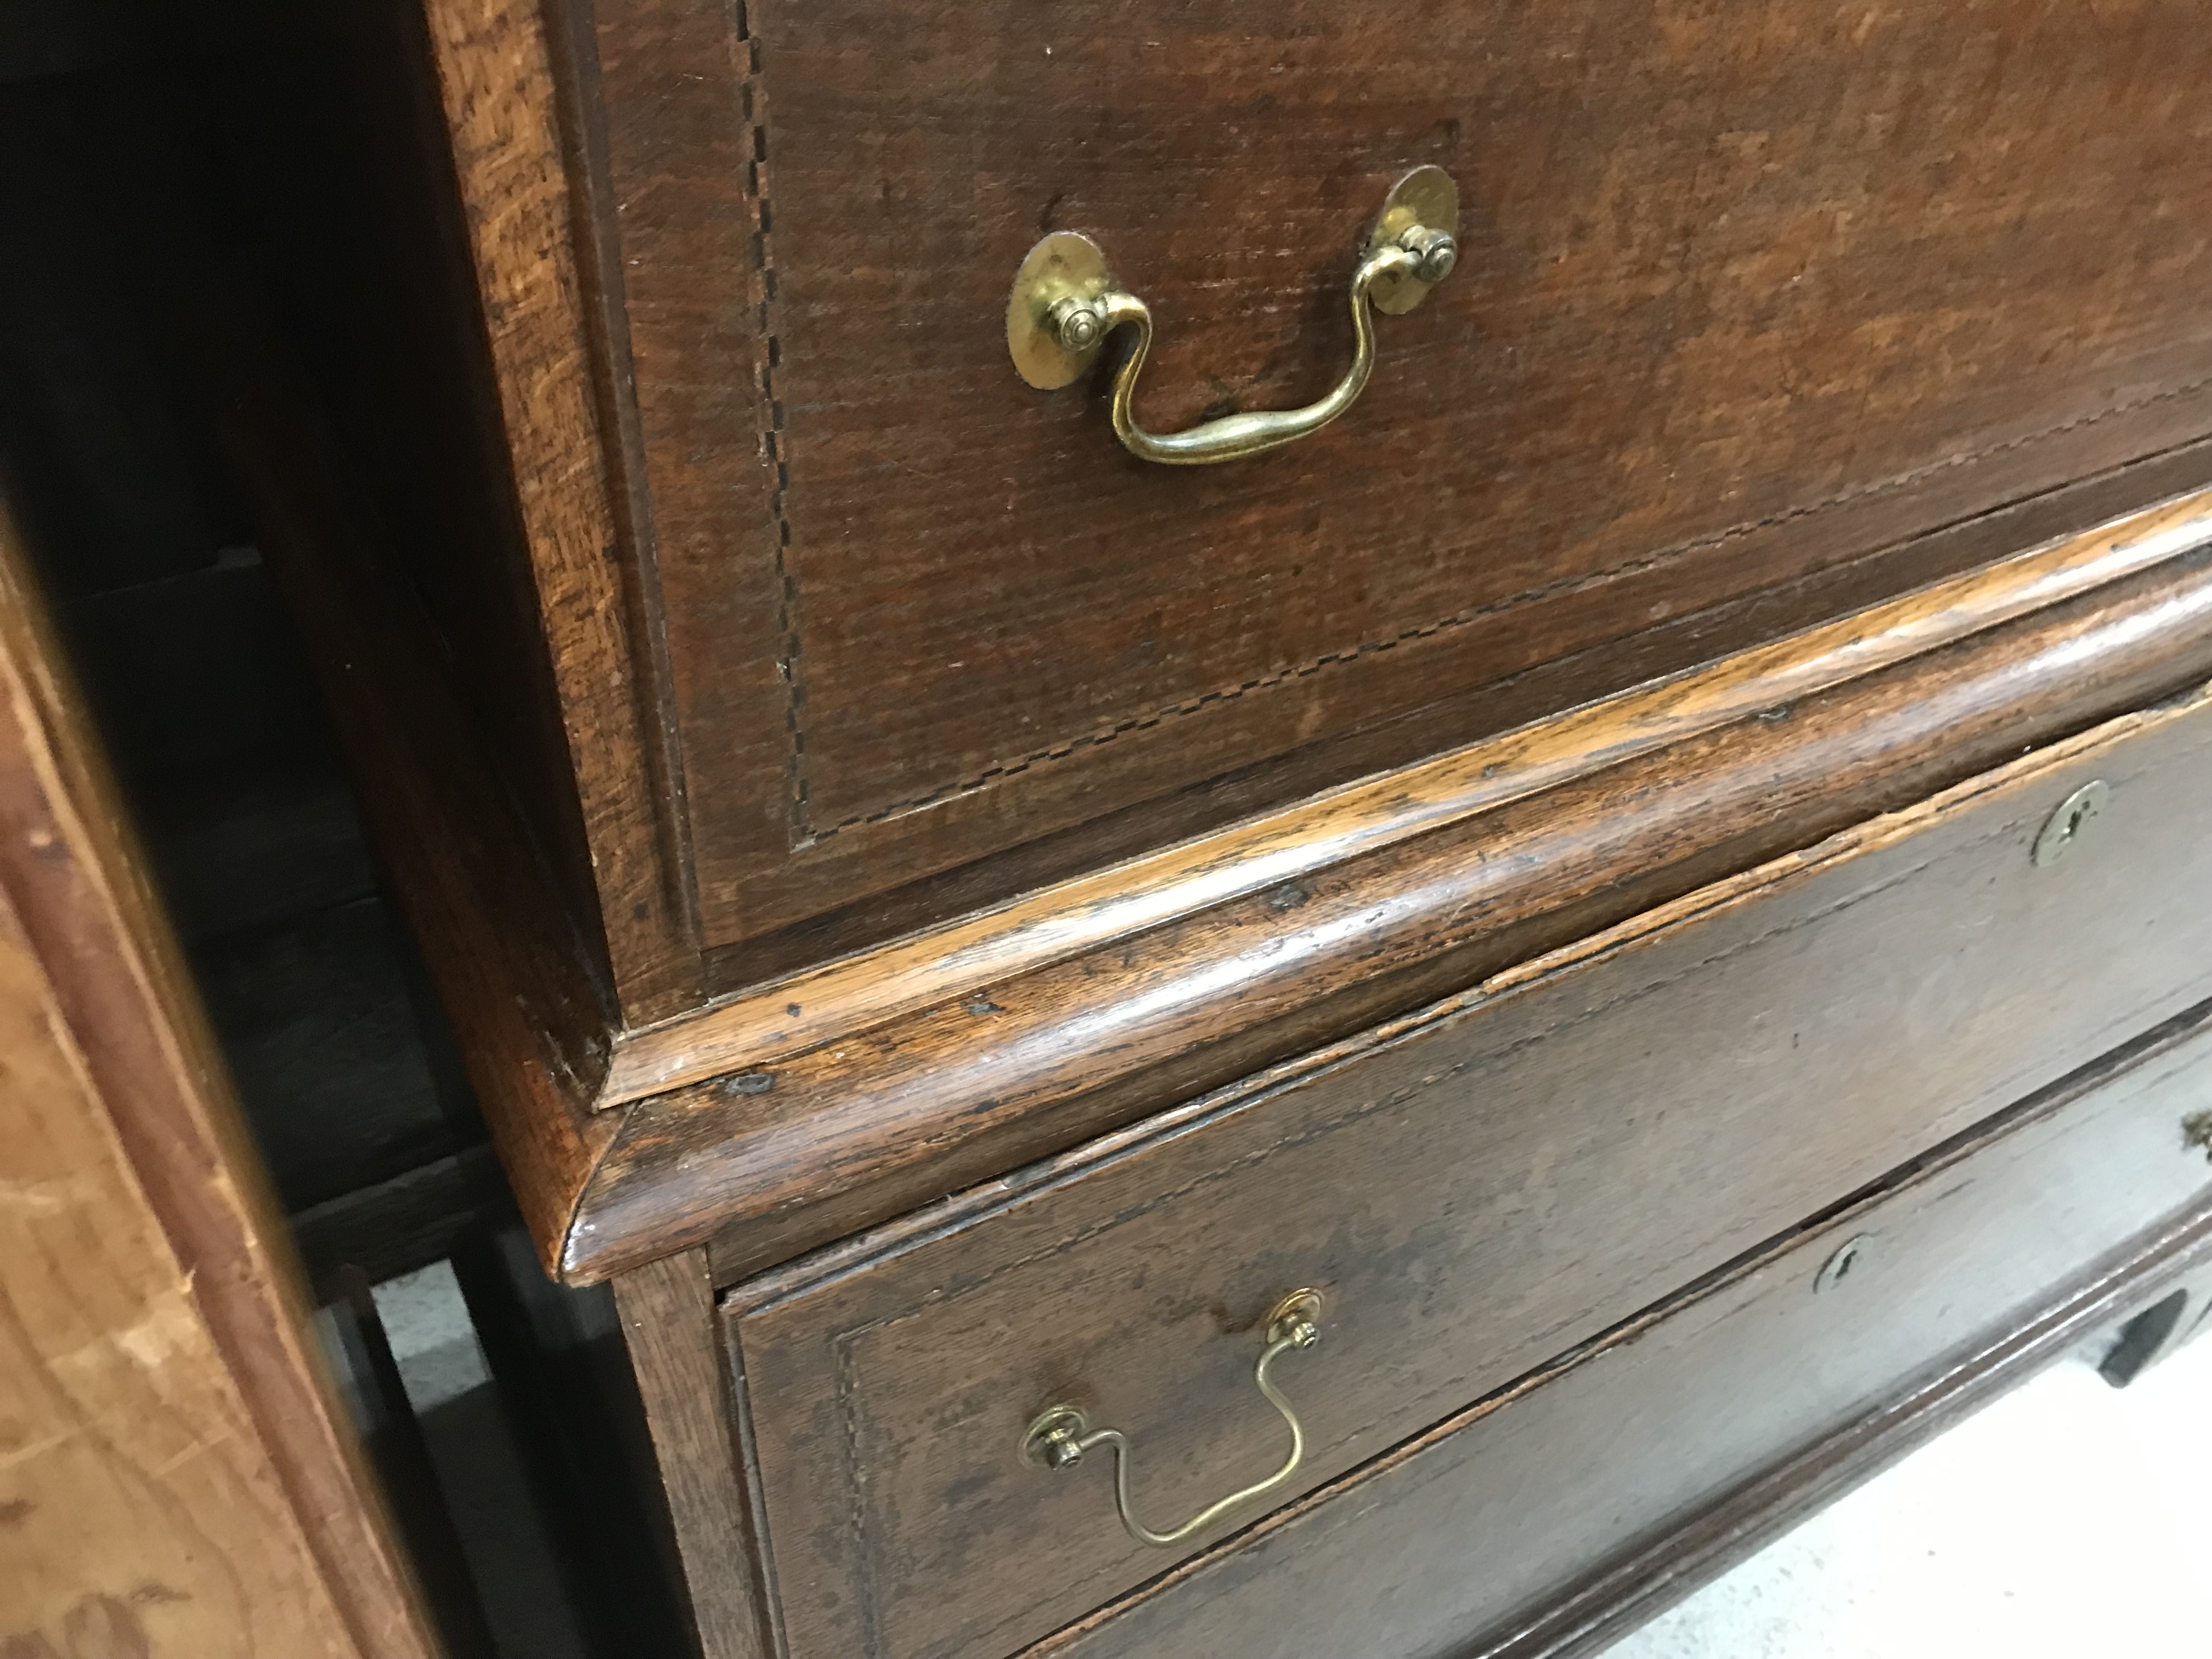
<point x="1445" y="1541"/>
<point x="1476" y="1188"/>
<point x="1745" y="294"/>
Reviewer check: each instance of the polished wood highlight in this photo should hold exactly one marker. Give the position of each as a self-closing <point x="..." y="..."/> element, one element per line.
<point x="844" y="999"/>
<point x="858" y="1132"/>
<point x="1473" y="1189"/>
<point x="1552" y="1517"/>
<point x="177" y="1475"/>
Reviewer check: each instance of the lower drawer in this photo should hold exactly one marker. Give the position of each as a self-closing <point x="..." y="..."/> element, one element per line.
<point x="1474" y="1189"/>
<point x="1458" y="1541"/>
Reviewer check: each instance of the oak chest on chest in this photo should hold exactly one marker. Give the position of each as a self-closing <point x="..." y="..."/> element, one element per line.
<point x="1077" y="699"/>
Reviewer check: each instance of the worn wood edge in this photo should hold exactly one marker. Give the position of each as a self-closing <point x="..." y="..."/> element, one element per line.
<point x="494" y="62"/>
<point x="803" y="1011"/>
<point x="1647" y="1578"/>
<point x="846" y="1141"/>
<point x="676" y="1354"/>
<point x="807" y="1273"/>
<point x="498" y="941"/>
<point x="451" y="844"/>
<point x="73" y="874"/>
<point x="690" y="1182"/>
<point x="574" y="54"/>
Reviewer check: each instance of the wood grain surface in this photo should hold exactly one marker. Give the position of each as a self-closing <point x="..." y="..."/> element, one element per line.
<point x="141" y="1512"/>
<point x="494" y="62"/>
<point x="1685" y="641"/>
<point x="667" y="1311"/>
<point x="510" y="966"/>
<point x="769" y="1161"/>
<point x="859" y="1131"/>
<point x="848" y="997"/>
<point x="1557" y="1515"/>
<point x="1744" y="296"/>
<point x="675" y="251"/>
<point x="179" y="1476"/>
<point x="1475" y="1189"/>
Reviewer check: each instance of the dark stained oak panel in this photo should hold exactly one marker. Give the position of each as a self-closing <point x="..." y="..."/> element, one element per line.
<point x="1550" y="1520"/>
<point x="1475" y="1190"/>
<point x="1749" y="292"/>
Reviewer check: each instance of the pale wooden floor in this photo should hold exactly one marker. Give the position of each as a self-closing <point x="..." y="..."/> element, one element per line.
<point x="2068" y="1519"/>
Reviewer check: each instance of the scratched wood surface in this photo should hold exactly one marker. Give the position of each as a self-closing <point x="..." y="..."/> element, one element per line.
<point x="139" y="1512"/>
<point x="176" y="1477"/>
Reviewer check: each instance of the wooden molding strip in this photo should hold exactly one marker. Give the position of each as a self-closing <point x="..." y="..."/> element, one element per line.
<point x="957" y="1054"/>
<point x="779" y="1021"/>
<point x="870" y="1127"/>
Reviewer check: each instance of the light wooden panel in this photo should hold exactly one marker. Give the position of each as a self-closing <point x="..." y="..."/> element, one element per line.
<point x="176" y="1477"/>
<point x="139" y="1512"/>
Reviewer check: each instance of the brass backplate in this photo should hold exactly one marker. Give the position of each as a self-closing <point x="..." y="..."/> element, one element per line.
<point x="1068" y="1421"/>
<point x="1065" y="263"/>
<point x="2066" y="826"/>
<point x="1426" y="197"/>
<point x="1301" y="1304"/>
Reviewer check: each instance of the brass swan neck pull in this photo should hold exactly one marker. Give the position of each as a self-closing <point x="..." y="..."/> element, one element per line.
<point x="1065" y="304"/>
<point x="1061" y="1435"/>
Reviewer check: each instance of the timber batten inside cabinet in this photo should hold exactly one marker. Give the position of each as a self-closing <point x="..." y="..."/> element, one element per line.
<point x="959" y="920"/>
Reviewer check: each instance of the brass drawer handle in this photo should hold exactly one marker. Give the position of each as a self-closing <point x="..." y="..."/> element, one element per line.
<point x="1065" y="303"/>
<point x="1061" y="1434"/>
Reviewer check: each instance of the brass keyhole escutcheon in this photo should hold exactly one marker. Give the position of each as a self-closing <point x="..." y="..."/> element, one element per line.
<point x="1842" y="1262"/>
<point x="2066" y="826"/>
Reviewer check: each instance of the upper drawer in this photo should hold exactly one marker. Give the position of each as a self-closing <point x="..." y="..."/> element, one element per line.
<point x="1473" y="1190"/>
<point x="1744" y="293"/>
